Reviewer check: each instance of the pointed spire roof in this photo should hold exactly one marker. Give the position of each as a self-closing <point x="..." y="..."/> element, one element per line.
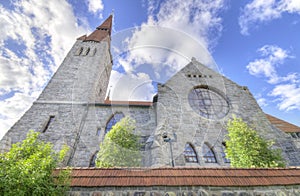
<point x="102" y="31"/>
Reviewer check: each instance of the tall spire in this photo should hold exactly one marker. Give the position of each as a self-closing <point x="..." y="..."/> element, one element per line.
<point x="101" y="32"/>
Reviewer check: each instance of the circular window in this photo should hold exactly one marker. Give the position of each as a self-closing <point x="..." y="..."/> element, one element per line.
<point x="208" y="103"/>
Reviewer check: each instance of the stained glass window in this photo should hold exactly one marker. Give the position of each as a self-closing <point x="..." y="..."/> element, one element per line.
<point x="190" y="154"/>
<point x="113" y="120"/>
<point x="223" y="147"/>
<point x="208" y="154"/>
<point x="93" y="159"/>
<point x="208" y="103"/>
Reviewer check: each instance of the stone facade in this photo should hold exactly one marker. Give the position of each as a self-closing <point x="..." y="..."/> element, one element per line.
<point x="177" y="118"/>
<point x="71" y="110"/>
<point x="187" y="191"/>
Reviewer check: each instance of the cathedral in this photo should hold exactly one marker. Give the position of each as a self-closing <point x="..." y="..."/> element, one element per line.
<point x="184" y="124"/>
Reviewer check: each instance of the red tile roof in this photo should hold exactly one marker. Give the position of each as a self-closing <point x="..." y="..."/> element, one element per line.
<point x="182" y="176"/>
<point x="101" y="32"/>
<point x="283" y="125"/>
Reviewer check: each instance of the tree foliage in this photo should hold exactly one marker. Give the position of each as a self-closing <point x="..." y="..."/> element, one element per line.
<point x="245" y="148"/>
<point x="121" y="147"/>
<point x="27" y="169"/>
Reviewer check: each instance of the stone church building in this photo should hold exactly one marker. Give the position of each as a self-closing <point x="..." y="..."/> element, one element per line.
<point x="184" y="125"/>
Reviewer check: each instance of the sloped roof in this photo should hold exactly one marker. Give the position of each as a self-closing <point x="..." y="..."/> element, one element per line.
<point x="183" y="176"/>
<point x="282" y="125"/>
<point x="100" y="33"/>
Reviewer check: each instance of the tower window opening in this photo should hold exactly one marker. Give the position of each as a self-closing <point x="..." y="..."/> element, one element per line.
<point x="87" y="51"/>
<point x="295" y="135"/>
<point x="94" y="51"/>
<point x="50" y="120"/>
<point x="208" y="154"/>
<point x="79" y="51"/>
<point x="190" y="154"/>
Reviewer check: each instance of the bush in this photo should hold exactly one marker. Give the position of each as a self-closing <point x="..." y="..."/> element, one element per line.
<point x="27" y="169"/>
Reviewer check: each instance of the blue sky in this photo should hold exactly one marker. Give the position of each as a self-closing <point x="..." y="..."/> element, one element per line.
<point x="254" y="43"/>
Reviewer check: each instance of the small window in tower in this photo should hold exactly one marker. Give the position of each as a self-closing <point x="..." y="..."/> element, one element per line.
<point x="87" y="51"/>
<point x="94" y="51"/>
<point x="50" y="120"/>
<point x="190" y="154"/>
<point x="208" y="154"/>
<point x="79" y="51"/>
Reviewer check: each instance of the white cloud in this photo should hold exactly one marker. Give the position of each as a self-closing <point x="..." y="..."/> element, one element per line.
<point x="286" y="90"/>
<point x="261" y="100"/>
<point x="271" y="57"/>
<point x="12" y="109"/>
<point x="35" y="36"/>
<point x="130" y="87"/>
<point x="288" y="96"/>
<point x="175" y="32"/>
<point x="259" y="11"/>
<point x="95" y="6"/>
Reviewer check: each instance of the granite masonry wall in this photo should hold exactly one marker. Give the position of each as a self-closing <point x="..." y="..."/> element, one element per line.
<point x="187" y="191"/>
<point x="184" y="125"/>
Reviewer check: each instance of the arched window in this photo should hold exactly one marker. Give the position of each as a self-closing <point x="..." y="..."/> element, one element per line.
<point x="94" y="52"/>
<point x="223" y="147"/>
<point x="113" y="120"/>
<point x="190" y="154"/>
<point x="208" y="154"/>
<point x="79" y="51"/>
<point x="93" y="159"/>
<point x="87" y="51"/>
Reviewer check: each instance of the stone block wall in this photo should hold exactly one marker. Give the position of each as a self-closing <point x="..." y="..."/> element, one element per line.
<point x="95" y="123"/>
<point x="81" y="78"/>
<point x="177" y="118"/>
<point x="187" y="191"/>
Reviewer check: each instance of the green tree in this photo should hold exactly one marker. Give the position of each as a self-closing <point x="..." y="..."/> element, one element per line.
<point x="27" y="169"/>
<point x="121" y="147"/>
<point x="245" y="148"/>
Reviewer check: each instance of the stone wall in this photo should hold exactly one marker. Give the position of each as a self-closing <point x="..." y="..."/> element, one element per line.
<point x="96" y="120"/>
<point x="182" y="123"/>
<point x="81" y="78"/>
<point x="187" y="191"/>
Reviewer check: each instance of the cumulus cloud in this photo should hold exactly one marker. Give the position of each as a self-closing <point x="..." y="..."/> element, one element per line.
<point x="288" y="96"/>
<point x="174" y="32"/>
<point x="95" y="6"/>
<point x="35" y="36"/>
<point x="271" y="57"/>
<point x="261" y="100"/>
<point x="286" y="89"/>
<point x="131" y="87"/>
<point x="259" y="11"/>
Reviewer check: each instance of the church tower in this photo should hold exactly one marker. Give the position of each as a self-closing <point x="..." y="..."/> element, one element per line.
<point x="184" y="125"/>
<point x="81" y="81"/>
